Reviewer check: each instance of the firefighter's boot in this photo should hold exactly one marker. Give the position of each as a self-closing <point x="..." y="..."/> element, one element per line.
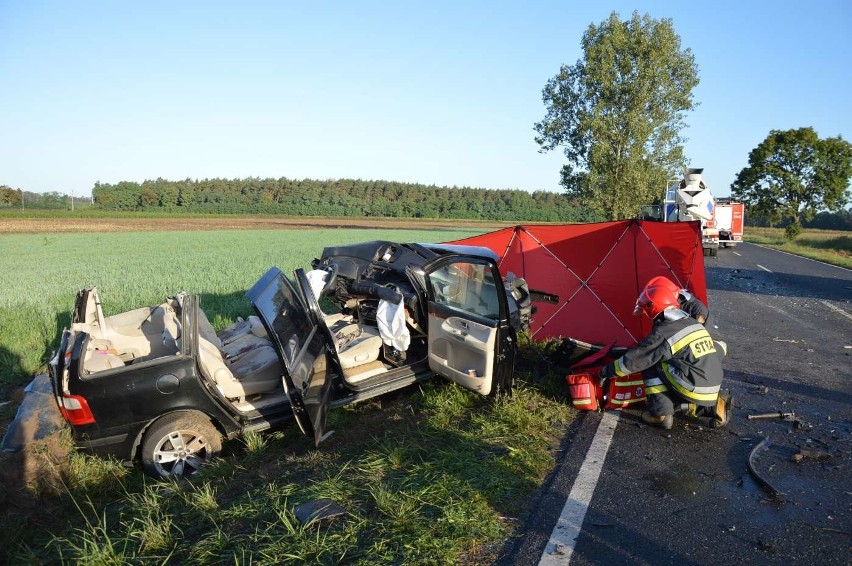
<point x="663" y="421"/>
<point x="724" y="404"/>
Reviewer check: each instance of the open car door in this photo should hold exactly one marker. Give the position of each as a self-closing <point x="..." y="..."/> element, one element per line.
<point x="301" y="349"/>
<point x="470" y="339"/>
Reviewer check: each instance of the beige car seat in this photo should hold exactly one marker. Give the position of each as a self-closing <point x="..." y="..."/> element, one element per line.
<point x="254" y="367"/>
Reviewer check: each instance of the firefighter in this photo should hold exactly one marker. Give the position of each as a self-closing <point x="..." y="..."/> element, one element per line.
<point x="679" y="362"/>
<point x="691" y="305"/>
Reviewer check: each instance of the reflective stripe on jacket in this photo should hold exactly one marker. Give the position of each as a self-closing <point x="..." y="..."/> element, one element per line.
<point x="685" y="356"/>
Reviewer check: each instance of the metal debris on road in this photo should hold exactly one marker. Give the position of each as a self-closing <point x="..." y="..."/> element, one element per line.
<point x="776" y="415"/>
<point x="752" y="467"/>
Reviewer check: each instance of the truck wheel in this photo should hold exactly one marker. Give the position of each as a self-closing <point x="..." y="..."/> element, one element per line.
<point x="714" y="252"/>
<point x="178" y="445"/>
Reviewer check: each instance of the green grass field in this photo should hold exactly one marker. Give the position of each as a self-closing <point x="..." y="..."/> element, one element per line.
<point x="429" y="475"/>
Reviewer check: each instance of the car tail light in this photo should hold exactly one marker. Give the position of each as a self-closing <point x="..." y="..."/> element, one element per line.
<point x="76" y="410"/>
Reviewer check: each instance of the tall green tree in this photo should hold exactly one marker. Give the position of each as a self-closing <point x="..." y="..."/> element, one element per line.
<point x="792" y="174"/>
<point x="9" y="196"/>
<point x="617" y="114"/>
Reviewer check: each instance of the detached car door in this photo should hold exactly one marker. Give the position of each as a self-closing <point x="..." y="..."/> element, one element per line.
<point x="301" y="348"/>
<point x="470" y="339"/>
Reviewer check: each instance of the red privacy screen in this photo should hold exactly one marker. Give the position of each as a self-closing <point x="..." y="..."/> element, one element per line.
<point x="598" y="271"/>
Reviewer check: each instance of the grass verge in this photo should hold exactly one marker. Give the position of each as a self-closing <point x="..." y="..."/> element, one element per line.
<point x="829" y="246"/>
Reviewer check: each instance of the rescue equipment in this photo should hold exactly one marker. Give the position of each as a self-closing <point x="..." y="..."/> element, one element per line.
<point x="618" y="392"/>
<point x="624" y="391"/>
<point x="585" y="391"/>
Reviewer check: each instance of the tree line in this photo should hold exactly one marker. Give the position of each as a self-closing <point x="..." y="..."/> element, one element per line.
<point x="541" y="206"/>
<point x="337" y="197"/>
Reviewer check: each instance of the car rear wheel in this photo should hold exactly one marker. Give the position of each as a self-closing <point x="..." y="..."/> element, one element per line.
<point x="178" y="445"/>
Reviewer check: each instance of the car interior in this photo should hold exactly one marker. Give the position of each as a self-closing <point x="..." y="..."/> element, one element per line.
<point x="354" y="333"/>
<point x="240" y="361"/>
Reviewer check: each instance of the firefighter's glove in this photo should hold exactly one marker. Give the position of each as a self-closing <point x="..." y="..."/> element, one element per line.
<point x="607" y="371"/>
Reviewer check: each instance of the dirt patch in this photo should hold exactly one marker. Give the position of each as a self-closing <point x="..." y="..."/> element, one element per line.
<point x="11" y="225"/>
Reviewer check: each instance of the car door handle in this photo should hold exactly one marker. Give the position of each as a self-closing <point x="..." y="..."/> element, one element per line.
<point x="458" y="333"/>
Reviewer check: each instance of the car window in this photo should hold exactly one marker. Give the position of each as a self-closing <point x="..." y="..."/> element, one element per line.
<point x="466" y="286"/>
<point x="292" y="326"/>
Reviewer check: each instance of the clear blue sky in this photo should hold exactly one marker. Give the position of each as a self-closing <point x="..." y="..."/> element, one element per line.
<point x="433" y="92"/>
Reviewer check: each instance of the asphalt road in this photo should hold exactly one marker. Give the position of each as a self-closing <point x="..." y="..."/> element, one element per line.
<point x="686" y="496"/>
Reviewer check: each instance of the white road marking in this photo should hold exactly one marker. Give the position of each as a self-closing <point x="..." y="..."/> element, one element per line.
<point x="737" y="254"/>
<point x="560" y="547"/>
<point x="764" y="269"/>
<point x="841" y="311"/>
<point x="804" y="258"/>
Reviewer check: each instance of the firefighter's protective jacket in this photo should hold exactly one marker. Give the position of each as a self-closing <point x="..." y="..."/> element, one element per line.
<point x="684" y="356"/>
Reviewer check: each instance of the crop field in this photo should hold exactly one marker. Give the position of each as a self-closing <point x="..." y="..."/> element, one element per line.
<point x="431" y="474"/>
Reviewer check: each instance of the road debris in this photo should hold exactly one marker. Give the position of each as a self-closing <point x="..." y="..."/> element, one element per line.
<point x="811" y="454"/>
<point x="791" y="416"/>
<point x="752" y="467"/>
<point x="776" y="339"/>
<point x="317" y="510"/>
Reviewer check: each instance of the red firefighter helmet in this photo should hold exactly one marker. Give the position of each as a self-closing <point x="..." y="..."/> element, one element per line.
<point x="656" y="297"/>
<point x="660" y="281"/>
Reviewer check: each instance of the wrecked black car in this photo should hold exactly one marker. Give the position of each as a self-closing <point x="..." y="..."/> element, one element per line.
<point x="158" y="384"/>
